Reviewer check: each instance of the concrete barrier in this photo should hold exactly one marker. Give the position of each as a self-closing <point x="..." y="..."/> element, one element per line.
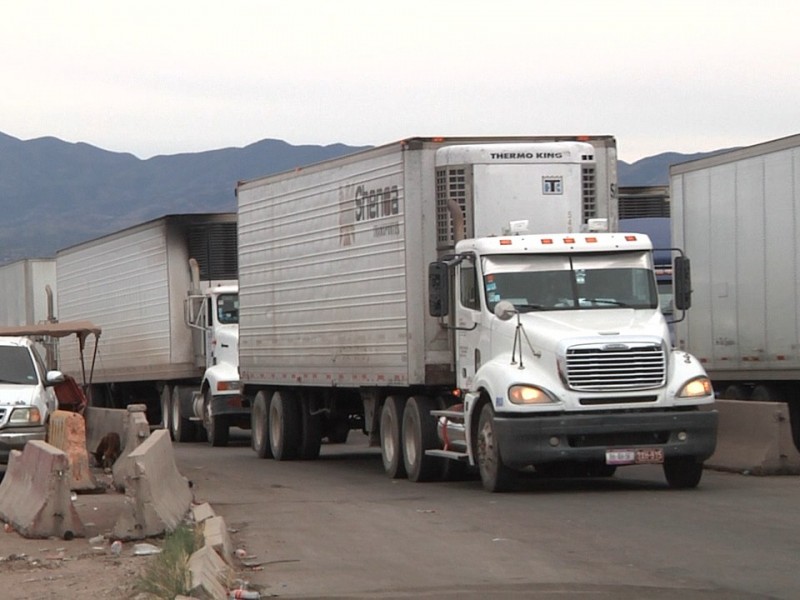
<point x="67" y="432"/>
<point x="136" y="430"/>
<point x="35" y="496"/>
<point x="209" y="575"/>
<point x="157" y="496"/>
<point x="215" y="534"/>
<point x="755" y="437"/>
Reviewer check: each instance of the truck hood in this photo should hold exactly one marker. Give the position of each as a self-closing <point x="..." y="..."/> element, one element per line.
<point x="548" y="330"/>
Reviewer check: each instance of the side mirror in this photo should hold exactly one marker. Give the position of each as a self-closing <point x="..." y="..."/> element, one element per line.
<point x="504" y="310"/>
<point x="682" y="279"/>
<point x="54" y="377"/>
<point x="438" y="289"/>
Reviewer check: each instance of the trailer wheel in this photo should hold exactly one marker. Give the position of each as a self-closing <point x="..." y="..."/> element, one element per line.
<point x="683" y="472"/>
<point x="166" y="392"/>
<point x="311" y="439"/>
<point x="183" y="430"/>
<point x="495" y="476"/>
<point x="217" y="427"/>
<point x="419" y="435"/>
<point x="767" y="392"/>
<point x="736" y="391"/>
<point x="284" y="425"/>
<point x="259" y="438"/>
<point x="391" y="446"/>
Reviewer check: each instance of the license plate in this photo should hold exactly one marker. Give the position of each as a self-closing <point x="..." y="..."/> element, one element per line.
<point x="639" y="456"/>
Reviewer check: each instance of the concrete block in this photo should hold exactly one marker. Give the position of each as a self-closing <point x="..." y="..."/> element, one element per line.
<point x="67" y="432"/>
<point x="35" y="496"/>
<point x="209" y="575"/>
<point x="215" y="534"/>
<point x="100" y="421"/>
<point x="157" y="496"/>
<point x="136" y="430"/>
<point x="755" y="437"/>
<point x="201" y="512"/>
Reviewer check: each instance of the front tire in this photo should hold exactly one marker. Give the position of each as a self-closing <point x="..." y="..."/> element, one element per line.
<point x="419" y="435"/>
<point x="391" y="444"/>
<point x="217" y="427"/>
<point x="284" y="425"/>
<point x="183" y="430"/>
<point x="259" y="437"/>
<point x="495" y="476"/>
<point x="166" y="393"/>
<point x="683" y="472"/>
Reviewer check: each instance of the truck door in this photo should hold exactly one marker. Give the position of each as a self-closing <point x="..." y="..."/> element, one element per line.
<point x="468" y="322"/>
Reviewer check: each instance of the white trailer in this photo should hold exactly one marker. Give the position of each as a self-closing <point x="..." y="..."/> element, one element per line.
<point x="24" y="284"/>
<point x="737" y="215"/>
<point x="164" y="294"/>
<point x="341" y="327"/>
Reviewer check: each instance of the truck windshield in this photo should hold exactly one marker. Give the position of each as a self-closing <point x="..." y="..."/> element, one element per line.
<point x="571" y="281"/>
<point x="16" y="366"/>
<point x="228" y="309"/>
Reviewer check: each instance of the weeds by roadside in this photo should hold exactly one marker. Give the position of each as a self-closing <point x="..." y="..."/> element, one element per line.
<point x="167" y="574"/>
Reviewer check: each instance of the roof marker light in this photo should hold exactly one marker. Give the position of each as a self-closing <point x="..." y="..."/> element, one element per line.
<point x="547" y="241"/>
<point x="505" y="242"/>
<point x="630" y="238"/>
<point x="569" y="240"/>
<point x="591" y="240"/>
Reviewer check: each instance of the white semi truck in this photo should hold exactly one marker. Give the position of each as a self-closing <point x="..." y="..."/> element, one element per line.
<point x="165" y="295"/>
<point x="452" y="299"/>
<point x="24" y="283"/>
<point x="738" y="215"/>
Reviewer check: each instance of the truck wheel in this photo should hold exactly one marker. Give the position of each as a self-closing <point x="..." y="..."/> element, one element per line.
<point x="391" y="446"/>
<point x="419" y="435"/>
<point x="216" y="427"/>
<point x="166" y="392"/>
<point x="284" y="425"/>
<point x="767" y="392"/>
<point x="736" y="392"/>
<point x="338" y="430"/>
<point x="259" y="437"/>
<point x="495" y="476"/>
<point x="311" y="439"/>
<point x="182" y="428"/>
<point x="683" y="472"/>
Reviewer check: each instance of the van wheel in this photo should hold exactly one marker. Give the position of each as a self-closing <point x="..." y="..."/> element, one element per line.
<point x="259" y="437"/>
<point x="284" y="425"/>
<point x="683" y="472"/>
<point x="495" y="476"/>
<point x="391" y="445"/>
<point x="419" y="435"/>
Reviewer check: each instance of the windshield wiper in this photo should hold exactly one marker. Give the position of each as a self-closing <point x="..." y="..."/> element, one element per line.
<point x="606" y="301"/>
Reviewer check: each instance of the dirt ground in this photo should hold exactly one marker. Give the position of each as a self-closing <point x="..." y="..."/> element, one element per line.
<point x="82" y="567"/>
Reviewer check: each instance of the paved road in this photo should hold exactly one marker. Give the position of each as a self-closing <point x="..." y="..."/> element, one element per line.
<point x="338" y="527"/>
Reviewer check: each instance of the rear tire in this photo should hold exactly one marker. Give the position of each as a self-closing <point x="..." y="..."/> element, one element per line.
<point x="736" y="392"/>
<point x="391" y="444"/>
<point x="495" y="476"/>
<point x="419" y="435"/>
<point x="284" y="425"/>
<point x="766" y="392"/>
<point x="311" y="438"/>
<point x="183" y="430"/>
<point x="259" y="437"/>
<point x="166" y="393"/>
<point x="683" y="472"/>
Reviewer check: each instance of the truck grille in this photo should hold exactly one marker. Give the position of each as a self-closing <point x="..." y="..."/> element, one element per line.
<point x="604" y="367"/>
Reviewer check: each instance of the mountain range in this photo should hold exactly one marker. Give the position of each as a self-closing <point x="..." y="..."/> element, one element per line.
<point x="54" y="194"/>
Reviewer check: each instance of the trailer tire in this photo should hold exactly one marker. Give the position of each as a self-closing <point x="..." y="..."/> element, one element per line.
<point x="183" y="430"/>
<point x="391" y="441"/>
<point x="165" y="406"/>
<point x="682" y="472"/>
<point x="767" y="392"/>
<point x="419" y="435"/>
<point x="495" y="476"/>
<point x="217" y="428"/>
<point x="311" y="439"/>
<point x="736" y="391"/>
<point x="259" y="438"/>
<point x="285" y="428"/>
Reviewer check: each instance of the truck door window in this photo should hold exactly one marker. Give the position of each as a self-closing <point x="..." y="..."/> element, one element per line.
<point x="468" y="283"/>
<point x="228" y="309"/>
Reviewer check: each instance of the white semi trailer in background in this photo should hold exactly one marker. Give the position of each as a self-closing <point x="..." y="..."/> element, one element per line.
<point x="737" y="215"/>
<point x="24" y="284"/>
<point x="165" y="295"/>
<point x="452" y="299"/>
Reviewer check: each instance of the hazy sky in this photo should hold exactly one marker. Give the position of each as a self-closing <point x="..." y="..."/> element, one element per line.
<point x="169" y="76"/>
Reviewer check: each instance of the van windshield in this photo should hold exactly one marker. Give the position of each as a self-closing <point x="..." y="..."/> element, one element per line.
<point x="571" y="281"/>
<point x="16" y="366"/>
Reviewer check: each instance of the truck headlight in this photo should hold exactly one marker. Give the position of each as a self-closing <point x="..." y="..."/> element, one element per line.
<point x="228" y="386"/>
<point x="696" y="388"/>
<point x="25" y="415"/>
<point x="528" y="394"/>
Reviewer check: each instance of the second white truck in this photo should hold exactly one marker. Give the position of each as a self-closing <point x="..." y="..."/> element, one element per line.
<point x="165" y="295"/>
<point x="459" y="301"/>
